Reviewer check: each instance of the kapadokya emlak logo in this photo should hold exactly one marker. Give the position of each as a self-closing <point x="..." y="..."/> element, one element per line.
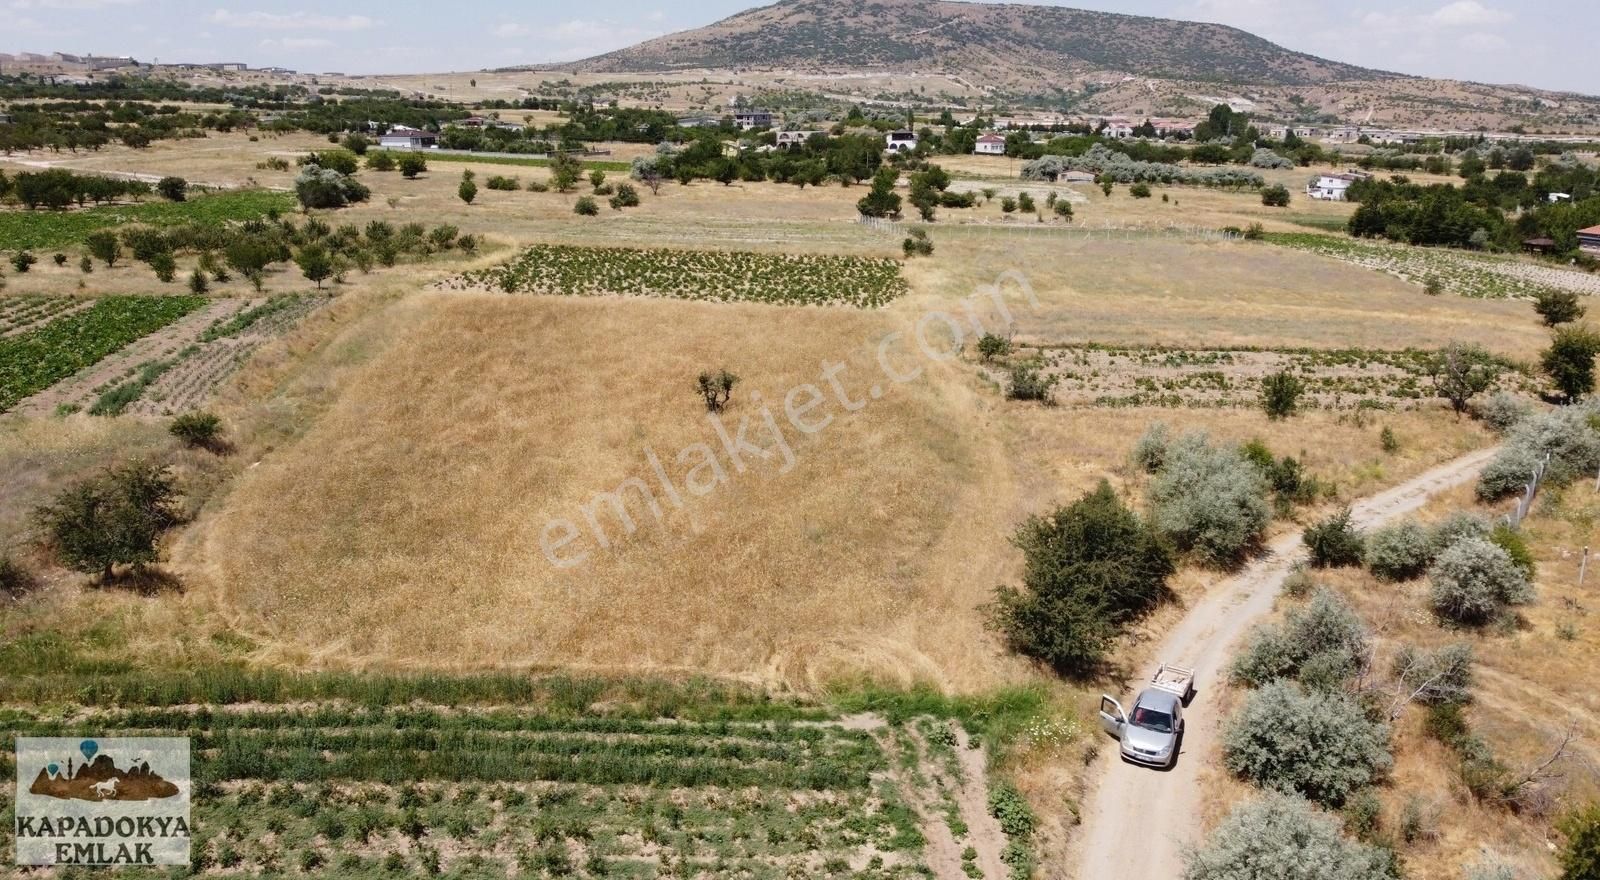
<point x="98" y="778"/>
<point x="105" y="801"/>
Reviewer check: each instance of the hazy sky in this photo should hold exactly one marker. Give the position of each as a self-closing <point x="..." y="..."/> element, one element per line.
<point x="1547" y="43"/>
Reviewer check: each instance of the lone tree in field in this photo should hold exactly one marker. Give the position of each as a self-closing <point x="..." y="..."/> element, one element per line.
<point x="1279" y="837"/>
<point x="315" y="263"/>
<point x="412" y="164"/>
<point x="565" y="171"/>
<point x="1090" y="568"/>
<point x="468" y="190"/>
<point x="105" y="246"/>
<point x="112" y="520"/>
<point x="1460" y="372"/>
<point x="992" y="346"/>
<point x="716" y="389"/>
<point x="1280" y="394"/>
<point x="1275" y="196"/>
<point x="1569" y="361"/>
<point x="1558" y="307"/>
<point x="173" y="189"/>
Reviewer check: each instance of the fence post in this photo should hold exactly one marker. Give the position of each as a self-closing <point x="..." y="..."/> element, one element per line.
<point x="1583" y="567"/>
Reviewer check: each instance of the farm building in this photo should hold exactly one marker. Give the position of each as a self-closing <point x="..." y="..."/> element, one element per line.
<point x="1589" y="241"/>
<point x="404" y="137"/>
<point x="901" y="141"/>
<point x="1331" y="187"/>
<point x="990" y="145"/>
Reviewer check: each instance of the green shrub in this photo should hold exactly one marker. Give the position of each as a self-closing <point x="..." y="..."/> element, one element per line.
<point x="1569" y="361"/>
<point x="1275" y="196"/>
<point x="111" y="520"/>
<point x="380" y="161"/>
<point x="1502" y="410"/>
<point x="1011" y="808"/>
<point x="467" y="191"/>
<point x="1090" y="568"/>
<point x="991" y="346"/>
<point x="165" y="266"/>
<point x="1388" y="441"/>
<point x="1280" y="394"/>
<point x="1210" y="500"/>
<point x="1399" y="552"/>
<point x="1150" y="451"/>
<point x="1325" y="637"/>
<point x="15" y="580"/>
<point x="412" y="164"/>
<point x="22" y="261"/>
<point x="1516" y="546"/>
<point x="173" y="189"/>
<point x="199" y="282"/>
<point x="196" y="429"/>
<point x="504" y="184"/>
<point x="917" y="244"/>
<point x="1567" y="435"/>
<point x="319" y="187"/>
<point x="1317" y="744"/>
<point x="1139" y="190"/>
<point x="1334" y="542"/>
<point x="585" y="206"/>
<point x="1028" y="382"/>
<point x="1580" y="858"/>
<point x="1458" y="526"/>
<point x="1278" y="837"/>
<point x="1473" y="582"/>
<point x="626" y="197"/>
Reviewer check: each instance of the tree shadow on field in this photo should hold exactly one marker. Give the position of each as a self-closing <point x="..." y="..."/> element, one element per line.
<point x="144" y="581"/>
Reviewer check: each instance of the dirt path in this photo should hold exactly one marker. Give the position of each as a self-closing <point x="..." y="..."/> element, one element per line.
<point x="1137" y="820"/>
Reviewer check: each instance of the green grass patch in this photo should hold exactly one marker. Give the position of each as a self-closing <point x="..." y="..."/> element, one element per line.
<point x="33" y="361"/>
<point x="39" y="230"/>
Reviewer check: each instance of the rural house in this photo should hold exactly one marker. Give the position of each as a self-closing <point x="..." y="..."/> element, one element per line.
<point x="749" y="119"/>
<point x="901" y="141"/>
<point x="990" y="145"/>
<point x="1331" y="187"/>
<point x="1589" y="241"/>
<point x="404" y="137"/>
<point x="793" y="140"/>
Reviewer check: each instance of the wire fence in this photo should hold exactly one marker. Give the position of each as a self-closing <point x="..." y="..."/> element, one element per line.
<point x="1529" y="492"/>
<point x="1106" y="231"/>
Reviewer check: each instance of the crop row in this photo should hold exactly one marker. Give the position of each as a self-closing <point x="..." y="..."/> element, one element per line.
<point x="1455" y="271"/>
<point x="36" y="230"/>
<point x="723" y="276"/>
<point x="20" y="312"/>
<point x="33" y="361"/>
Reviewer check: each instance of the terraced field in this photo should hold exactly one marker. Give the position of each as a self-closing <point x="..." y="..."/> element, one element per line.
<point x="723" y="276"/>
<point x="1105" y="376"/>
<point x="745" y="788"/>
<point x="1459" y="272"/>
<point x="37" y="359"/>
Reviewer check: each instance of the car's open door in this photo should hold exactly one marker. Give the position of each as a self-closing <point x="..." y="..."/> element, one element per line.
<point x="1112" y="718"/>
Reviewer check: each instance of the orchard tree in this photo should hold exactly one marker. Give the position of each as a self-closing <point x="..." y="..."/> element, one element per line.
<point x="112" y="520"/>
<point x="315" y="263"/>
<point x="1569" y="361"/>
<point x="1558" y="307"/>
<point x="1460" y="372"/>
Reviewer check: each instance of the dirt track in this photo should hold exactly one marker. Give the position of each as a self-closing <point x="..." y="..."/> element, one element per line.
<point x="1138" y="820"/>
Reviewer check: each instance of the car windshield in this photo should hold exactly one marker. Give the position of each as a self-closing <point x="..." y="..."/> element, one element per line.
<point x="1152" y="719"/>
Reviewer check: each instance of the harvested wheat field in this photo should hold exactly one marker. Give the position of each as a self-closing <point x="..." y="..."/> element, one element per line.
<point x="406" y="526"/>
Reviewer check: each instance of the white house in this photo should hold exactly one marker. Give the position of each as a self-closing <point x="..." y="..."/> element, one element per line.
<point x="1331" y="187"/>
<point x="990" y="145"/>
<point x="403" y="137"/>
<point x="792" y="140"/>
<point x="901" y="141"/>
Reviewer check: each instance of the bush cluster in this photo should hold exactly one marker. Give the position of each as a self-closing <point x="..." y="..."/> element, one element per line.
<point x="1318" y="744"/>
<point x="1568" y="435"/>
<point x="1321" y="645"/>
<point x="1474" y="581"/>
<point x="1280" y="837"/>
<point x="1209" y="500"/>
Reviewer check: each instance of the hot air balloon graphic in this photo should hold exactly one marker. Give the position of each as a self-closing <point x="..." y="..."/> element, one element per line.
<point x="54" y="769"/>
<point x="89" y="747"/>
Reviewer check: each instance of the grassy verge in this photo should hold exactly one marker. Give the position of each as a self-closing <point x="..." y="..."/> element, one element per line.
<point x="39" y="230"/>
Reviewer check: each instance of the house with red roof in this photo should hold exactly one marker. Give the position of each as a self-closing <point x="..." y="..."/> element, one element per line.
<point x="1589" y="241"/>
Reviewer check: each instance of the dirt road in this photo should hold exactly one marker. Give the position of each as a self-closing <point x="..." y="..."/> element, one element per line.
<point x="1137" y="820"/>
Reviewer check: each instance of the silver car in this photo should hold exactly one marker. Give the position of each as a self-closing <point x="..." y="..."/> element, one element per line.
<point x="1151" y="733"/>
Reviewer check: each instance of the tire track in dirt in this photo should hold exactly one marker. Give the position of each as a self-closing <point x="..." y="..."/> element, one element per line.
<point x="1137" y="821"/>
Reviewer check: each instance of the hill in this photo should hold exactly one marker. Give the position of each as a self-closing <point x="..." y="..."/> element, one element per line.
<point x="952" y="37"/>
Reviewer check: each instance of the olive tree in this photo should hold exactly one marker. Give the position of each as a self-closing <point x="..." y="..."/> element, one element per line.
<point x="111" y="520"/>
<point x="1280" y="837"/>
<point x="1209" y="500"/>
<point x="1460" y="372"/>
<point x="1318" y="744"/>
<point x="1565" y="435"/>
<point x="1399" y="552"/>
<point x="1473" y="581"/>
<point x="1323" y="644"/>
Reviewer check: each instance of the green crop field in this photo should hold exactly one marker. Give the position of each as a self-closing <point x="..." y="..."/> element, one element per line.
<point x="383" y="776"/>
<point x="39" y="230"/>
<point x="724" y="276"/>
<point x="33" y="361"/>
